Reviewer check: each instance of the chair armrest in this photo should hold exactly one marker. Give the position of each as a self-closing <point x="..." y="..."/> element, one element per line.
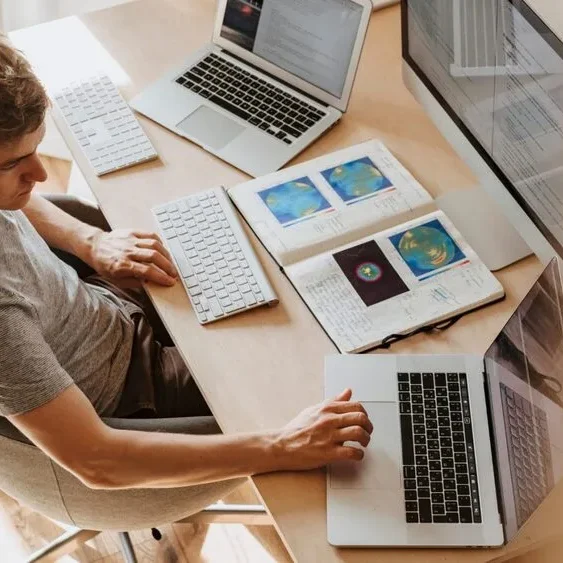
<point x="8" y="430"/>
<point x="187" y="425"/>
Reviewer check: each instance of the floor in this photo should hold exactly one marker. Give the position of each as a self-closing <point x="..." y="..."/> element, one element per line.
<point x="24" y="531"/>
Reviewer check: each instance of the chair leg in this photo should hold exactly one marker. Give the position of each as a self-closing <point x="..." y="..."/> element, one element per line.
<point x="127" y="548"/>
<point x="64" y="544"/>
<point x="247" y="514"/>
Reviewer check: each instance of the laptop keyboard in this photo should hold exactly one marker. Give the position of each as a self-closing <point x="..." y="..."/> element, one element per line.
<point x="254" y="100"/>
<point x="529" y="452"/>
<point x="439" y="471"/>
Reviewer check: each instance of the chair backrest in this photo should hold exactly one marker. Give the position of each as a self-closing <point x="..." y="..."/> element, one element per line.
<point x="32" y="478"/>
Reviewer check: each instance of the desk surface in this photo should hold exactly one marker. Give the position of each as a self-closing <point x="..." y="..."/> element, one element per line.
<point x="259" y="369"/>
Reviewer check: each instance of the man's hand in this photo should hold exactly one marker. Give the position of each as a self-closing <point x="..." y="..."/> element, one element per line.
<point x="316" y="436"/>
<point x="122" y="255"/>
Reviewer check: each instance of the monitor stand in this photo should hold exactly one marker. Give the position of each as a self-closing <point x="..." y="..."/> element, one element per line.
<point x="485" y="228"/>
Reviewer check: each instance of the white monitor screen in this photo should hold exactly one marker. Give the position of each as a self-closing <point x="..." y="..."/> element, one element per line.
<point x="311" y="39"/>
<point x="497" y="70"/>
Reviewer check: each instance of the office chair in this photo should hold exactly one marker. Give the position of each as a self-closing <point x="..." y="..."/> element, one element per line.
<point x="32" y="478"/>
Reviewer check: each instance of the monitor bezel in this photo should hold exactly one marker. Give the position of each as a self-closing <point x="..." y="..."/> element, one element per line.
<point x="340" y="103"/>
<point x="555" y="43"/>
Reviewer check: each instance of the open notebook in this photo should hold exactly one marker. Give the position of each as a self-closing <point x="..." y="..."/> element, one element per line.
<point x="363" y="244"/>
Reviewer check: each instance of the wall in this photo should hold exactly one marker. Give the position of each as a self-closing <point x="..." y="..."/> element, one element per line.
<point x="15" y="14"/>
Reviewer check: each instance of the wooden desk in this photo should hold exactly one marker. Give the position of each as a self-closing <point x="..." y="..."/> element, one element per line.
<point x="258" y="370"/>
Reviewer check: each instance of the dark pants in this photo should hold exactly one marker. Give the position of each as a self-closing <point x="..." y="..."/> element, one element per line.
<point x="158" y="383"/>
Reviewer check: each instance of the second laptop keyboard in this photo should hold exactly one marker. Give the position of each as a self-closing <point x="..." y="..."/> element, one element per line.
<point x="215" y="260"/>
<point x="439" y="467"/>
<point x="529" y="452"/>
<point x="251" y="98"/>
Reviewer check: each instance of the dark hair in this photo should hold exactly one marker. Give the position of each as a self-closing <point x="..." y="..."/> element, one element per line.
<point x="23" y="99"/>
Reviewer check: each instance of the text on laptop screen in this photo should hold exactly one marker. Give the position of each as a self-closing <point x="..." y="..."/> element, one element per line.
<point x="311" y="39"/>
<point x="524" y="368"/>
<point x="497" y="69"/>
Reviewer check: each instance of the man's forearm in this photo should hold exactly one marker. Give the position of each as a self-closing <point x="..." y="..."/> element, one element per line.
<point x="130" y="460"/>
<point x="59" y="229"/>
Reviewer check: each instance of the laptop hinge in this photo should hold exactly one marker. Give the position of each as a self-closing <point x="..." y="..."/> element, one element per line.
<point x="276" y="78"/>
<point x="493" y="448"/>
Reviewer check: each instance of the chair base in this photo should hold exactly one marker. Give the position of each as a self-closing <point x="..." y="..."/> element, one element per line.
<point x="246" y="514"/>
<point x="63" y="545"/>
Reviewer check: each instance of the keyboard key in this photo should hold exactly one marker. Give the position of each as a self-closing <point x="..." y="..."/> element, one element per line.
<point x="290" y="130"/>
<point x="465" y="516"/>
<point x="425" y="510"/>
<point x="184" y="266"/>
<point x="230" y="107"/>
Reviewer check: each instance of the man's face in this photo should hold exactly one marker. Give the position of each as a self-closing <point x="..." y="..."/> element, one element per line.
<point x="20" y="169"/>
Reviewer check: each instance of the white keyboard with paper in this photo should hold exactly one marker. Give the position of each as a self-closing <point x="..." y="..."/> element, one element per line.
<point x="104" y="125"/>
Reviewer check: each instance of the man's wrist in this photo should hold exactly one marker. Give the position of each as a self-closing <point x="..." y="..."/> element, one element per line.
<point x="84" y="243"/>
<point x="273" y="455"/>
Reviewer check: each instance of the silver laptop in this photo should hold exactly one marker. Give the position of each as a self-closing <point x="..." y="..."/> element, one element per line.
<point x="277" y="75"/>
<point x="465" y="448"/>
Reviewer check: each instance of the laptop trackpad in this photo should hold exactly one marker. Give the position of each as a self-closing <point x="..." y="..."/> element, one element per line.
<point x="381" y="467"/>
<point x="212" y="128"/>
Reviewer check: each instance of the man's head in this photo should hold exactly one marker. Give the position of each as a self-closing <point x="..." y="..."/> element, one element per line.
<point x="23" y="104"/>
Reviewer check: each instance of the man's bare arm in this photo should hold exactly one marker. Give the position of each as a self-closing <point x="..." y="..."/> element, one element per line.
<point x="59" y="229"/>
<point x="118" y="255"/>
<point x="69" y="430"/>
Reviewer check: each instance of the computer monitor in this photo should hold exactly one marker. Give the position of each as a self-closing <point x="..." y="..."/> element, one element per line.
<point x="490" y="75"/>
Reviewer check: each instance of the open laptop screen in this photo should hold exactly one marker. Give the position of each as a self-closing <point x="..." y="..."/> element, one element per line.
<point x="524" y="369"/>
<point x="313" y="40"/>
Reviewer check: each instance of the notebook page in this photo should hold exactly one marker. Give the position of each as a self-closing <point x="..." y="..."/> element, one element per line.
<point x="401" y="279"/>
<point x="312" y="207"/>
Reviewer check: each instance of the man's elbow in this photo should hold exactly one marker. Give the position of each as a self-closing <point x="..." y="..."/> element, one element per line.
<point x="99" y="470"/>
<point x="98" y="480"/>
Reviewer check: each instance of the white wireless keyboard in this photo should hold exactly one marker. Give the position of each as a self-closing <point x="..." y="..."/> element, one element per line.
<point x="215" y="260"/>
<point x="104" y="125"/>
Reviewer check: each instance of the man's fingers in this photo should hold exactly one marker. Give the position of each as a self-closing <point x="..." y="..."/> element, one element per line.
<point x="146" y="234"/>
<point x="344" y="396"/>
<point x="343" y="407"/>
<point x="151" y="273"/>
<point x="353" y="434"/>
<point x="348" y="453"/>
<point x="156" y="258"/>
<point x="354" y="419"/>
<point x="154" y="244"/>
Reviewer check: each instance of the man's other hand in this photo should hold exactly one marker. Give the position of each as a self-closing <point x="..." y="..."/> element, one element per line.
<point x="316" y="436"/>
<point x="123" y="255"/>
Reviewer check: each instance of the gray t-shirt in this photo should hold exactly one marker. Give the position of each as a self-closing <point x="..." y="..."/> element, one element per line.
<point x="55" y="330"/>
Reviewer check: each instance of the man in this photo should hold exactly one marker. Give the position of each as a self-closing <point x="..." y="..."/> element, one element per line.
<point x="72" y="350"/>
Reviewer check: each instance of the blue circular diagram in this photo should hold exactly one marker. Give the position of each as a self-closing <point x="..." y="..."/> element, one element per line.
<point x="427" y="248"/>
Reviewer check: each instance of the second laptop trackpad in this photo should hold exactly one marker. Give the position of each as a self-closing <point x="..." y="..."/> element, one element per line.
<point x="210" y="127"/>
